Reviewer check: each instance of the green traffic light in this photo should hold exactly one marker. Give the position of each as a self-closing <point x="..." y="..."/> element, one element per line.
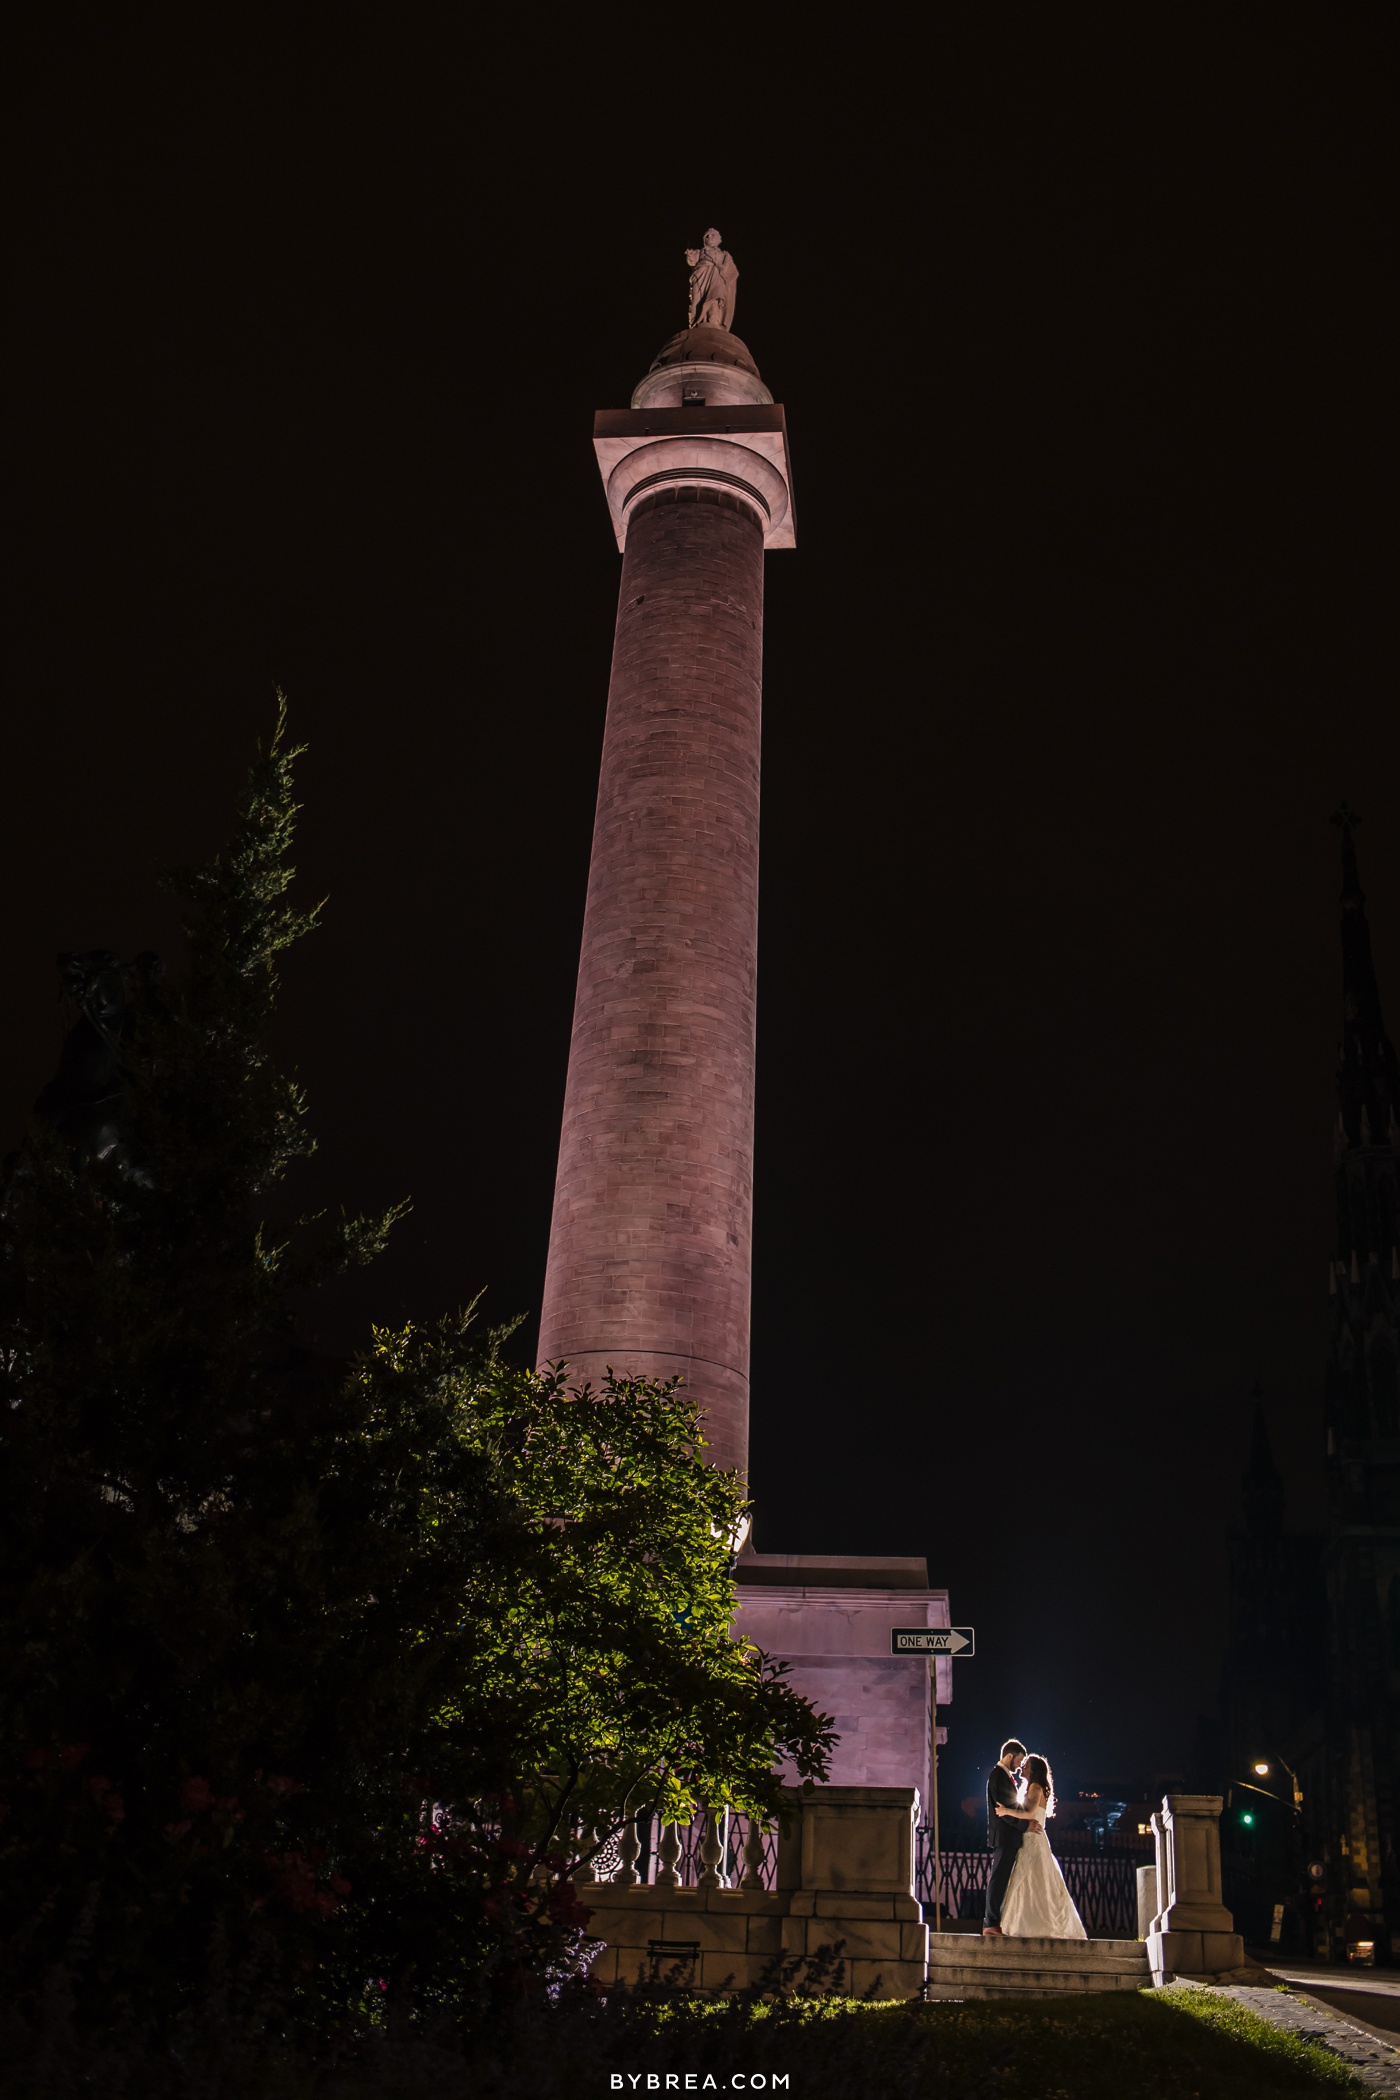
<point x="1246" y="1817"/>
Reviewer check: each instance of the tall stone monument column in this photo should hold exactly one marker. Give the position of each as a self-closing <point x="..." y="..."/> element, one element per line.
<point x="650" y="1244"/>
<point x="651" y="1240"/>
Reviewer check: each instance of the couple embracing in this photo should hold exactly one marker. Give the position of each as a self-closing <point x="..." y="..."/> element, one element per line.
<point x="1026" y="1893"/>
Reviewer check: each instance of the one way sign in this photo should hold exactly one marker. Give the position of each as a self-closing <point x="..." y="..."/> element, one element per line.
<point x="932" y="1640"/>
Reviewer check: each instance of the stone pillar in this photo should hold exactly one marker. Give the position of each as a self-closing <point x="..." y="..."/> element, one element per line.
<point x="651" y="1238"/>
<point x="1192" y="1935"/>
<point x="846" y="1863"/>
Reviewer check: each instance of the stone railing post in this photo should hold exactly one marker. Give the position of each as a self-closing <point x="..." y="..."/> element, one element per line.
<point x="1192" y="1935"/>
<point x="628" y="1847"/>
<point x="712" y="1852"/>
<point x="1162" y="1885"/>
<point x="753" y="1855"/>
<point x="668" y="1851"/>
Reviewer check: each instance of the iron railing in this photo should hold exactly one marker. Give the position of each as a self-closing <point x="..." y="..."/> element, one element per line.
<point x="1103" y="1885"/>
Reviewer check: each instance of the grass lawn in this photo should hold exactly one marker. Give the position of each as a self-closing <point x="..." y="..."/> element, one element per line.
<point x="1128" y="2045"/>
<point x="1160" y="2045"/>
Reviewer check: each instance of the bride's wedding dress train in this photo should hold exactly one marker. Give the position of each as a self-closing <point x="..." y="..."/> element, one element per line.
<point x="1038" y="1905"/>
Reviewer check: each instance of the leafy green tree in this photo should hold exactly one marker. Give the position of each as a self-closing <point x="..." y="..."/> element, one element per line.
<point x="318" y="1672"/>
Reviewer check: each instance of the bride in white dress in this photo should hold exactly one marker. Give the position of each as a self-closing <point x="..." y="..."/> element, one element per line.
<point x="1038" y="1905"/>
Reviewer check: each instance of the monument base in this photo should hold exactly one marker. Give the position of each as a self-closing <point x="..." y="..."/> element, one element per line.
<point x="829" y="1616"/>
<point x="1194" y="1957"/>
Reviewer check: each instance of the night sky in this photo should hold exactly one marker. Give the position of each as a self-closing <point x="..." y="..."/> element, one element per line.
<point x="1086" y="339"/>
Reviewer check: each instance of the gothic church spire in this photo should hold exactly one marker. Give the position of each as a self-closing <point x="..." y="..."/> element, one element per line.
<point x="1263" y="1483"/>
<point x="1368" y="1078"/>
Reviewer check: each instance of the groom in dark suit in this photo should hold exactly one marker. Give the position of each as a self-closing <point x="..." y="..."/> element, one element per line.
<point x="1004" y="1833"/>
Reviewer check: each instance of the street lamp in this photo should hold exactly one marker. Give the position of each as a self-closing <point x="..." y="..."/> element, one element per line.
<point x="1263" y="1767"/>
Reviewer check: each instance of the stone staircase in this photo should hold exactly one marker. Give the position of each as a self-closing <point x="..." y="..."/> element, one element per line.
<point x="963" y="1966"/>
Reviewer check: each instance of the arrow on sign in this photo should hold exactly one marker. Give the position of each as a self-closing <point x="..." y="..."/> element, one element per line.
<point x="933" y="1640"/>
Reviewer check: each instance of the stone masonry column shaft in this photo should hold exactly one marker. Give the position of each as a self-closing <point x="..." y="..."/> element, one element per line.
<point x="651" y="1243"/>
<point x="650" y="1246"/>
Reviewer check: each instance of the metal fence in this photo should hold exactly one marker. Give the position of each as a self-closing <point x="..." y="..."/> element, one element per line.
<point x="1102" y="1884"/>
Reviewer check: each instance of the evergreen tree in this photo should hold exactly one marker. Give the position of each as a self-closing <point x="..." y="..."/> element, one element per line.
<point x="321" y="1671"/>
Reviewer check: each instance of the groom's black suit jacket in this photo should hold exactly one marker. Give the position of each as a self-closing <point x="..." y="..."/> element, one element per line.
<point x="1004" y="1831"/>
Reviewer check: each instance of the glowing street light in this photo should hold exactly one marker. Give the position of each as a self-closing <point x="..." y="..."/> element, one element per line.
<point x="1263" y="1766"/>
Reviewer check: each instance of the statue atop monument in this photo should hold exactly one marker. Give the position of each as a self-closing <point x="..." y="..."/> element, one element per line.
<point x="713" y="279"/>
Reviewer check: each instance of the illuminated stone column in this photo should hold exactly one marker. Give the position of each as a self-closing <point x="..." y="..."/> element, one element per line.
<point x="651" y="1240"/>
<point x="1193" y="1935"/>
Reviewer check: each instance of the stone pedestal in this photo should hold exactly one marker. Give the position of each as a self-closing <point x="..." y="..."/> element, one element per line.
<point x="1193" y="1935"/>
<point x="829" y="1616"/>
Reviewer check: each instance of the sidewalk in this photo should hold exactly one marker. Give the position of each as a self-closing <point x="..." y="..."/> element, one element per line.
<point x="1372" y="2055"/>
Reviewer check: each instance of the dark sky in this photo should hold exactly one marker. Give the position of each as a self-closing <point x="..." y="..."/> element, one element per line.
<point x="1086" y="339"/>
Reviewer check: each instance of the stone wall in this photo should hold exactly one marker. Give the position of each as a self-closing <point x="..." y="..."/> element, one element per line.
<point x="829" y="1617"/>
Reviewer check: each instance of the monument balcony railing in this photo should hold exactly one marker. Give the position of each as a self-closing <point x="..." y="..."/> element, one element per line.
<point x="1103" y="1884"/>
<point x="966" y="1835"/>
<point x="741" y="1852"/>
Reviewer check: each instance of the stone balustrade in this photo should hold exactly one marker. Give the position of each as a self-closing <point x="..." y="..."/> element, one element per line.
<point x="845" y="1875"/>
